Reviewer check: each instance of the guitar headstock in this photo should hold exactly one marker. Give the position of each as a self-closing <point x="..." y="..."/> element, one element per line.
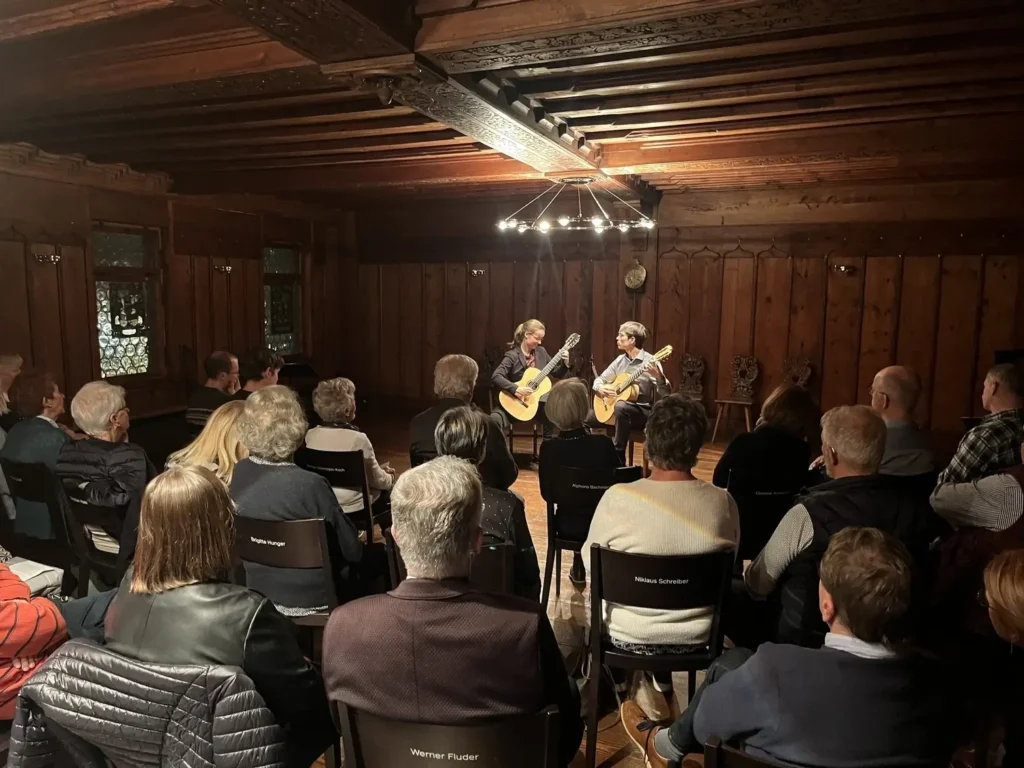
<point x="570" y="342"/>
<point x="663" y="353"/>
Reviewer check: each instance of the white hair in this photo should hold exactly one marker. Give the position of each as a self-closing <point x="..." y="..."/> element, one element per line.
<point x="857" y="435"/>
<point x="436" y="510"/>
<point x="94" y="406"/>
<point x="334" y="400"/>
<point x="273" y="424"/>
<point x="455" y="377"/>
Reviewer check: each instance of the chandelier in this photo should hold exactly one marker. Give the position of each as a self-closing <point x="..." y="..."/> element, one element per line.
<point x="587" y="214"/>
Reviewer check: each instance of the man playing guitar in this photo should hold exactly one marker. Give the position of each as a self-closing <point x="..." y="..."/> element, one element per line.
<point x="630" y="416"/>
<point x="526" y="352"/>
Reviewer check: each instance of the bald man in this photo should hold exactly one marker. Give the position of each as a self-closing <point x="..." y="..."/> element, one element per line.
<point x="894" y="395"/>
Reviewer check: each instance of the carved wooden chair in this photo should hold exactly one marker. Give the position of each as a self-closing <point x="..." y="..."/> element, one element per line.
<point x="691" y="376"/>
<point x="745" y="370"/>
<point x="797" y="371"/>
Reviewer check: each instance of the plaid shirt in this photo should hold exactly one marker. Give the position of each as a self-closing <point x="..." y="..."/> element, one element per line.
<point x="989" y="447"/>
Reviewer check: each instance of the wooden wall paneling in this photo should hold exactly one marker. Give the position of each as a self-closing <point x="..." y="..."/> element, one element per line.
<point x="392" y="348"/>
<point x="604" y="315"/>
<point x="252" y="274"/>
<point x="525" y="287"/>
<point x="806" y="315"/>
<point x="77" y="332"/>
<point x="412" y="329"/>
<point x="436" y="323"/>
<point x="882" y="277"/>
<point x="365" y="369"/>
<point x="14" y="317"/>
<point x="918" y="314"/>
<point x="346" y="325"/>
<point x="220" y="296"/>
<point x="845" y="299"/>
<point x="45" y="315"/>
<point x="956" y="341"/>
<point x="478" y="307"/>
<point x="201" y="272"/>
<point x="704" y="322"/>
<point x="577" y="293"/>
<point x="647" y="300"/>
<point x="455" y="339"/>
<point x="239" y="300"/>
<point x="1000" y="303"/>
<point x="550" y="303"/>
<point x="772" y="317"/>
<point x="182" y="365"/>
<point x="737" y="316"/>
<point x="501" y="322"/>
<point x="672" y="318"/>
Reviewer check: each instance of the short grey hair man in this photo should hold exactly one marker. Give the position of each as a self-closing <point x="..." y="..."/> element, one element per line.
<point x="95" y="406"/>
<point x="436" y="511"/>
<point x="455" y="377"/>
<point x="273" y="424"/>
<point x="894" y="392"/>
<point x="852" y="441"/>
<point x="462" y="432"/>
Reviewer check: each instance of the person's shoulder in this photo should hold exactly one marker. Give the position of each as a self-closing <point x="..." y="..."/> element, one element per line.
<point x="362" y="613"/>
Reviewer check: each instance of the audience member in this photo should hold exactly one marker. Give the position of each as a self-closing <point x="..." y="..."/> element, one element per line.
<point x="994" y="443"/>
<point x="105" y="469"/>
<point x="221" y="383"/>
<point x="567" y="408"/>
<point x="178" y="606"/>
<point x="450" y="655"/>
<point x="454" y="384"/>
<point x="31" y="628"/>
<point x="257" y="369"/>
<point x="855" y="702"/>
<point x="335" y="403"/>
<point x="10" y="367"/>
<point x="462" y="432"/>
<point x="269" y="486"/>
<point x="894" y="395"/>
<point x="766" y="468"/>
<point x="853" y="443"/>
<point x="669" y="513"/>
<point x="218" y="446"/>
<point x="37" y="439"/>
<point x="1004" y="595"/>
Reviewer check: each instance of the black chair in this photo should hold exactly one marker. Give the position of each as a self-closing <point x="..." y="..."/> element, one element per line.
<point x="659" y="582"/>
<point x="38" y="483"/>
<point x="576" y="494"/>
<point x="493" y="570"/>
<point x="762" y="502"/>
<point x="342" y="469"/>
<point x="519" y="741"/>
<point x="720" y="755"/>
<point x="91" y="559"/>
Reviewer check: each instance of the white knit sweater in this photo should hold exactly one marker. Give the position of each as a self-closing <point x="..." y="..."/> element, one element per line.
<point x="663" y="518"/>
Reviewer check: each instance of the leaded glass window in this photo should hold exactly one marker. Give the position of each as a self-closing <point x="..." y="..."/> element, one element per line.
<point x="282" y="299"/>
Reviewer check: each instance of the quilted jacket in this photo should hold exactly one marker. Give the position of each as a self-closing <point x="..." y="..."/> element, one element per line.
<point x="101" y="706"/>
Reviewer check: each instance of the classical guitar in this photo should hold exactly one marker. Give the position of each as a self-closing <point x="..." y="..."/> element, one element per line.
<point x="536" y="380"/>
<point x="626" y="388"/>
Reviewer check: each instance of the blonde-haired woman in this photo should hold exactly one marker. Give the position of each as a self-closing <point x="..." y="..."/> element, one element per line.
<point x="218" y="447"/>
<point x="178" y="606"/>
<point x="526" y="352"/>
<point x="1001" y="673"/>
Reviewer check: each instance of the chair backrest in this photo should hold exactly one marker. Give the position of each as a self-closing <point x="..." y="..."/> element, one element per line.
<point x="691" y="376"/>
<point x="577" y="492"/>
<point x="762" y="501"/>
<point x="81" y="514"/>
<point x="493" y="570"/>
<point x="745" y="370"/>
<point x="720" y="755"/>
<point x="38" y="483"/>
<point x="519" y="741"/>
<point x="342" y="469"/>
<point x="661" y="582"/>
<point x="286" y="544"/>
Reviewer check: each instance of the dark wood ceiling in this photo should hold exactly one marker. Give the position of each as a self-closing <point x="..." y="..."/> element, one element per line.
<point x="348" y="100"/>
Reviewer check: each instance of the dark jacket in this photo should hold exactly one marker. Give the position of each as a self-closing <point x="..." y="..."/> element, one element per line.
<point x="573" y="448"/>
<point x="763" y="471"/>
<point x="108" y="475"/>
<point x="441" y="652"/>
<point x="831" y="709"/>
<point x="498" y="469"/>
<point x="287" y="492"/>
<point x="34" y="441"/>
<point x="504" y="522"/>
<point x="203" y="402"/>
<point x="874" y="501"/>
<point x="136" y="715"/>
<point x="224" y="624"/>
<point x="513" y="365"/>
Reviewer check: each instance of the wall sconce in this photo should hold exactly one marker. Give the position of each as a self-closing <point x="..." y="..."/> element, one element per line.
<point x="844" y="269"/>
<point x="221" y="268"/>
<point x="47" y="258"/>
<point x="477" y="272"/>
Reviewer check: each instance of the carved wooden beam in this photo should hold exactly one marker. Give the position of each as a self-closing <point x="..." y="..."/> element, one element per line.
<point x="27" y="160"/>
<point x="73" y="14"/>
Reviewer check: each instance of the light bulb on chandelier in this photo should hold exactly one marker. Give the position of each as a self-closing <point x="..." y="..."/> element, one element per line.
<point x="614" y="213"/>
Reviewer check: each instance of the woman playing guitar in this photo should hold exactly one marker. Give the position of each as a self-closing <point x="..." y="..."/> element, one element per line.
<point x="525" y="352"/>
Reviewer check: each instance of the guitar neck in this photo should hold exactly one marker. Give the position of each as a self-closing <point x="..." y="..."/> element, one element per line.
<point x="546" y="370"/>
<point x="640" y="369"/>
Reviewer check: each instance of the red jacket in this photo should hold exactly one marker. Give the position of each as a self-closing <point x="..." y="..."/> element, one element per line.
<point x="29" y="627"/>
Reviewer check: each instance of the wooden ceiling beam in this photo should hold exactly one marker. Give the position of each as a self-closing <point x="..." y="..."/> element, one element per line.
<point x="72" y="14"/>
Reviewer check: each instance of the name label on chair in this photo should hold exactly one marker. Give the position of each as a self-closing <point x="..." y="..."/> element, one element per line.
<point x="268" y="542"/>
<point x="467" y="758"/>
<point x="589" y="487"/>
<point x="666" y="582"/>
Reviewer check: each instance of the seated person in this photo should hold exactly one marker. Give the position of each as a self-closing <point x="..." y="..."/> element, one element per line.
<point x="894" y="395"/>
<point x="10" y="368"/>
<point x="567" y="408"/>
<point x="855" y="702"/>
<point x="853" y="443"/>
<point x="765" y="469"/>
<point x="453" y="655"/>
<point x="462" y="432"/>
<point x="217" y="447"/>
<point x="36" y="439"/>
<point x="104" y="468"/>
<point x="669" y="513"/>
<point x="268" y="486"/>
<point x="335" y="403"/>
<point x="221" y="383"/>
<point x="178" y="606"/>
<point x="454" y="384"/>
<point x="1003" y="669"/>
<point x="258" y="368"/>
<point x="994" y="443"/>
<point x="525" y="351"/>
